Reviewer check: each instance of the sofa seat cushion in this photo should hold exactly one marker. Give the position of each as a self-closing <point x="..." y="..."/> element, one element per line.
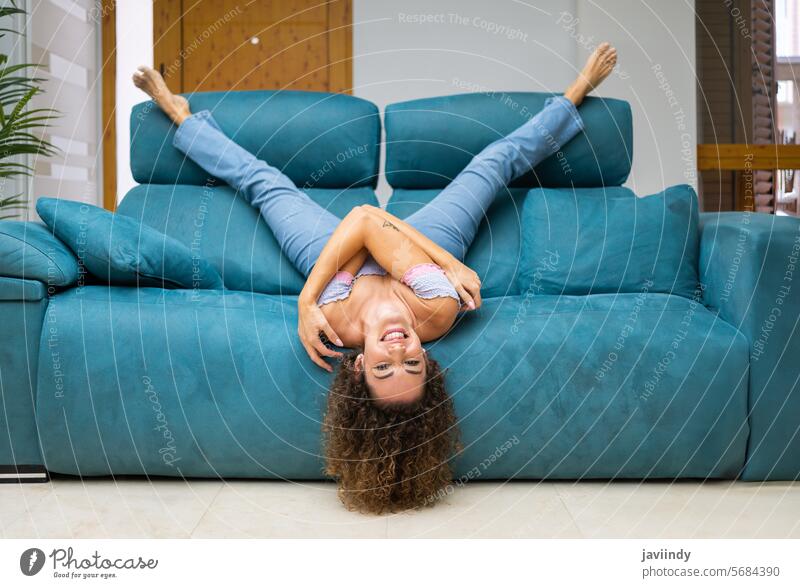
<point x="175" y="382"/>
<point x="600" y="386"/>
<point x="494" y="254"/>
<point x="224" y="229"/>
<point x="216" y="384"/>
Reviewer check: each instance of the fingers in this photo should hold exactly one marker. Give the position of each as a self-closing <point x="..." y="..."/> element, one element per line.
<point x="476" y="297"/>
<point x="323" y="350"/>
<point x="317" y="350"/>
<point x="476" y="292"/>
<point x="472" y="285"/>
<point x="316" y="358"/>
<point x="466" y="297"/>
<point x="331" y="335"/>
<point x="476" y="301"/>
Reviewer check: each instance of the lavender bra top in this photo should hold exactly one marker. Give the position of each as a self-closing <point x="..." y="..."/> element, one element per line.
<point x="427" y="280"/>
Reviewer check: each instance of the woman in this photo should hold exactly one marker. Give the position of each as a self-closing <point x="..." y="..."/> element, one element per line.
<point x="383" y="286"/>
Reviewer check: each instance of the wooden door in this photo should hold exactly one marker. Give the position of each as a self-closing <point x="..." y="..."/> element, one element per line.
<point x="221" y="45"/>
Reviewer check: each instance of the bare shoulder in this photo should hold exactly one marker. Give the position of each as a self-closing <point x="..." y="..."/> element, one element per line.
<point x="339" y="316"/>
<point x="435" y="316"/>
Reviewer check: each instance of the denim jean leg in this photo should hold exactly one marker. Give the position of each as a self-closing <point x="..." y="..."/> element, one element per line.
<point x="452" y="219"/>
<point x="300" y="225"/>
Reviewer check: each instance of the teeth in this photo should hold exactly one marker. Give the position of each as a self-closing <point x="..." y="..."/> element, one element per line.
<point x="394" y="335"/>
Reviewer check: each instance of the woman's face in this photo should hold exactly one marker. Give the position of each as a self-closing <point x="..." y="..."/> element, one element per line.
<point x="393" y="361"/>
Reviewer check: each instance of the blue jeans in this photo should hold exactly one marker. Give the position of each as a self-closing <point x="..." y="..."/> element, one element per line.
<point x="451" y="220"/>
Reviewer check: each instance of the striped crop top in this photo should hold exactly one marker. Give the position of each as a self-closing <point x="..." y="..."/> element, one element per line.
<point x="427" y="280"/>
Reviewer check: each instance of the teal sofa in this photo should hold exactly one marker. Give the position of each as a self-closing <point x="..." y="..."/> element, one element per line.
<point x="99" y="379"/>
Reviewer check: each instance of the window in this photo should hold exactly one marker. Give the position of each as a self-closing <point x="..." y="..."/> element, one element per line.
<point x="786" y="92"/>
<point x="787" y="53"/>
<point x="787" y="25"/>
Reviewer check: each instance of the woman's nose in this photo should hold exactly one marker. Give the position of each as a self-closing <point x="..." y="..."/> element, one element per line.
<point x="397" y="350"/>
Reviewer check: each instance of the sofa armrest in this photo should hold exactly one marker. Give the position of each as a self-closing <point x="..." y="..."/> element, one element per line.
<point x="750" y="267"/>
<point x="30" y="251"/>
<point x="23" y="304"/>
<point x="19" y="290"/>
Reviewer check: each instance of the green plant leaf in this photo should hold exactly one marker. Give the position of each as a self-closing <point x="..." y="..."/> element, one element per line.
<point x="8" y="205"/>
<point x="20" y="127"/>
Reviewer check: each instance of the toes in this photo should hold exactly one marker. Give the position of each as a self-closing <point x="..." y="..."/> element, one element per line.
<point x="602" y="52"/>
<point x="606" y="49"/>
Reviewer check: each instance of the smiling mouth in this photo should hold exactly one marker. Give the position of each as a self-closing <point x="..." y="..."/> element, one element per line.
<point x="394" y="334"/>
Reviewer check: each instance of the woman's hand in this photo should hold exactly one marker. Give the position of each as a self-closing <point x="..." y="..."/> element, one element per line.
<point x="466" y="282"/>
<point x="312" y="322"/>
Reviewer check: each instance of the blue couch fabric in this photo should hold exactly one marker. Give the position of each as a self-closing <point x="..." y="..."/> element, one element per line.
<point x="218" y="385"/>
<point x="118" y="249"/>
<point x="622" y="384"/>
<point x="600" y="240"/>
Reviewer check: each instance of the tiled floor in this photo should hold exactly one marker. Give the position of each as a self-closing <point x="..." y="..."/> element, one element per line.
<point x="170" y="508"/>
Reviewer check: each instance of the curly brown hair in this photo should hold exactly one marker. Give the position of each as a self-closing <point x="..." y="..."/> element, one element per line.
<point x="388" y="457"/>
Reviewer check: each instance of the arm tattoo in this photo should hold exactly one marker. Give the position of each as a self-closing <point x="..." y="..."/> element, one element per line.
<point x="387" y="223"/>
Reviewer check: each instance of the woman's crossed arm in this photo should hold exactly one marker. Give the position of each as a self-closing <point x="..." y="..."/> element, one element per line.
<point x="395" y="245"/>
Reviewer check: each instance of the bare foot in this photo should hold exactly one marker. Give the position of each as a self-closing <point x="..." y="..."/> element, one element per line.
<point x="599" y="65"/>
<point x="150" y="81"/>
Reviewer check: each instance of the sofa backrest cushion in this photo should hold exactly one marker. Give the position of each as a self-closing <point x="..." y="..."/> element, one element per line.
<point x="319" y="140"/>
<point x="224" y="229"/>
<point x="429" y="141"/>
<point x="602" y="240"/>
<point x="118" y="249"/>
<point x="494" y="254"/>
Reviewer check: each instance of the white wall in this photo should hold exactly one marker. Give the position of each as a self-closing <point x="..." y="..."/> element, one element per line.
<point x="417" y="48"/>
<point x="134" y="48"/>
<point x="656" y="43"/>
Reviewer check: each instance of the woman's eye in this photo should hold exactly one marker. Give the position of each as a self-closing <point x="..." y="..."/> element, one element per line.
<point x="412" y="362"/>
<point x="382" y="366"/>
